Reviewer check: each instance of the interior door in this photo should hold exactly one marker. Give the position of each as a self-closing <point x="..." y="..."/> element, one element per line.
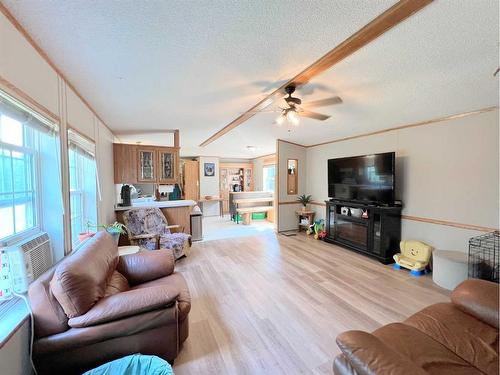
<point x="191" y="180"/>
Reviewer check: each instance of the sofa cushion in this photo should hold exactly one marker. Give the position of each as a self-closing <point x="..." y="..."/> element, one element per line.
<point x="368" y="355"/>
<point x="478" y="298"/>
<point x="117" y="283"/>
<point x="80" y="279"/>
<point x="48" y="314"/>
<point x="471" y="339"/>
<point x="129" y="303"/>
<point x="146" y="265"/>
<point x="424" y="351"/>
<point x="177" y="281"/>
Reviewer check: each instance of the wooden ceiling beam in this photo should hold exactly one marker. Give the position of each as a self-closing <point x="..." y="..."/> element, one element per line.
<point x="384" y="22"/>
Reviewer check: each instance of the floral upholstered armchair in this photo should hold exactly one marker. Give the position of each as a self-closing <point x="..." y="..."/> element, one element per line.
<point x="148" y="228"/>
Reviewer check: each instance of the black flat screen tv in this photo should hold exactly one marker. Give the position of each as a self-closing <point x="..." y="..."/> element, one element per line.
<point x="364" y="179"/>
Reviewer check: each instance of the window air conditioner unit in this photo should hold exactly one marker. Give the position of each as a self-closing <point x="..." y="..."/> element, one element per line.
<point x="37" y="253"/>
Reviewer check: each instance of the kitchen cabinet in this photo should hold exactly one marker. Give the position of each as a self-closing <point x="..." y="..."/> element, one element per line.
<point x="125" y="163"/>
<point x="167" y="166"/>
<point x="145" y="164"/>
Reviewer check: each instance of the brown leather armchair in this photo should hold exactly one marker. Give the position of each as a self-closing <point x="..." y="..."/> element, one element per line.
<point x="94" y="306"/>
<point x="459" y="337"/>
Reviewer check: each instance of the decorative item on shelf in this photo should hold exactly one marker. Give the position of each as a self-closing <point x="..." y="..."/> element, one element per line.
<point x="304" y="200"/>
<point x="356" y="212"/>
<point x="176" y="194"/>
<point x="209" y="169"/>
<point x="345" y="211"/>
<point x="414" y="255"/>
<point x="365" y="214"/>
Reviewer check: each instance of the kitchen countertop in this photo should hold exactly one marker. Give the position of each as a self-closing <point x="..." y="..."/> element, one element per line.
<point x="160" y="204"/>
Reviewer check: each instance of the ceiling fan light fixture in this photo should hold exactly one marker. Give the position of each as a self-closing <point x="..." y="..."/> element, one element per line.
<point x="293" y="117"/>
<point x="280" y="119"/>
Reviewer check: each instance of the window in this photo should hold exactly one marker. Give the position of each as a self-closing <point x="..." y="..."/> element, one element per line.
<point x="269" y="177"/>
<point x="82" y="184"/>
<point x="22" y="136"/>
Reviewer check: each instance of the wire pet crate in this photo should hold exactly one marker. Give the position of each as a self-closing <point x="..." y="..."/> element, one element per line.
<point x="484" y="256"/>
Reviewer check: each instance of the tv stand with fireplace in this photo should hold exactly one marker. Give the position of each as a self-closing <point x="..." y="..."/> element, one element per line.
<point x="377" y="234"/>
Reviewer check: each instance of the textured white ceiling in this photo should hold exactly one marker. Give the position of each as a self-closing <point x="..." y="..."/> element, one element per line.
<point x="196" y="65"/>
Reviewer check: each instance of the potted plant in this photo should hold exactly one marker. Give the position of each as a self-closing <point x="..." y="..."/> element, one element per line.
<point x="114" y="229"/>
<point x="304" y="200"/>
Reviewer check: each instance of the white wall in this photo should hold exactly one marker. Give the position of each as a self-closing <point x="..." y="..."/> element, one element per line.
<point x="209" y="185"/>
<point x="104" y="147"/>
<point x="23" y="70"/>
<point x="14" y="355"/>
<point x="446" y="171"/>
<point x="287" y="219"/>
<point x="27" y="76"/>
<point x="258" y="165"/>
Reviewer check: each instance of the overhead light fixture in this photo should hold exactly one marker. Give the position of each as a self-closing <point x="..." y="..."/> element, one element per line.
<point x="251" y="148"/>
<point x="293" y="117"/>
<point x="280" y="119"/>
<point x="289" y="115"/>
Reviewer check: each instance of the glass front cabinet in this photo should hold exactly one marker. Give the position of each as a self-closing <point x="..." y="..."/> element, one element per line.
<point x="167" y="164"/>
<point x="157" y="165"/>
<point x="147" y="165"/>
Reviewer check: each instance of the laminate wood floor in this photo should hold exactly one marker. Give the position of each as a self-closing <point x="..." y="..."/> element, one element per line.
<point x="273" y="304"/>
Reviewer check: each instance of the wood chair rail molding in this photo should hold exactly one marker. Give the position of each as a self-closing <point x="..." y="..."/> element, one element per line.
<point x="45" y="56"/>
<point x="426" y="220"/>
<point x="378" y="26"/>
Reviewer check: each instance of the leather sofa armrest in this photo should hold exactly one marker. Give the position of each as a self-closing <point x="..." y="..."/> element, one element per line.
<point x="125" y="304"/>
<point x="369" y="355"/>
<point x="145" y="266"/>
<point x="478" y="298"/>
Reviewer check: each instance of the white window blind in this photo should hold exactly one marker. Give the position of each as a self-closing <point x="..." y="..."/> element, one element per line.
<point x="16" y="110"/>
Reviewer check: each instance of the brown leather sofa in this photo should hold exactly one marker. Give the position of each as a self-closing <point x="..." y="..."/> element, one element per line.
<point x="459" y="337"/>
<point x="94" y="306"/>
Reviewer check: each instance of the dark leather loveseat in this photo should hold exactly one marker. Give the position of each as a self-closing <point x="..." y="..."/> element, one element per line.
<point x="94" y="306"/>
<point x="459" y="337"/>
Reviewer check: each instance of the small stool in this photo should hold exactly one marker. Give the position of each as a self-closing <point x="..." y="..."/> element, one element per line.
<point x="449" y="268"/>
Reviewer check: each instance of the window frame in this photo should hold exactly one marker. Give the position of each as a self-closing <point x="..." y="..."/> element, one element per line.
<point x="36" y="184"/>
<point x="80" y="191"/>
<point x="263" y="176"/>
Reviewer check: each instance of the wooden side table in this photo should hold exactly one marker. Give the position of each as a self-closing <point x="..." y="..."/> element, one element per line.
<point x="305" y="214"/>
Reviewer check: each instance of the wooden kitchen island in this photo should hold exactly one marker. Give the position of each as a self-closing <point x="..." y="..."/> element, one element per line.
<point x="176" y="212"/>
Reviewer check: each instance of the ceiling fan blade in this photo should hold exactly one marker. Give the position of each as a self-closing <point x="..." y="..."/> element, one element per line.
<point x="266" y="111"/>
<point x="314" y="115"/>
<point x="323" y="102"/>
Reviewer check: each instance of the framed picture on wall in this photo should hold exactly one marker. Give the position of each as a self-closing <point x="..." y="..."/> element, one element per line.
<point x="209" y="169"/>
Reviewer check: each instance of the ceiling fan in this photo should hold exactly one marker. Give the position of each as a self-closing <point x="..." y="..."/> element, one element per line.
<point x="293" y="108"/>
